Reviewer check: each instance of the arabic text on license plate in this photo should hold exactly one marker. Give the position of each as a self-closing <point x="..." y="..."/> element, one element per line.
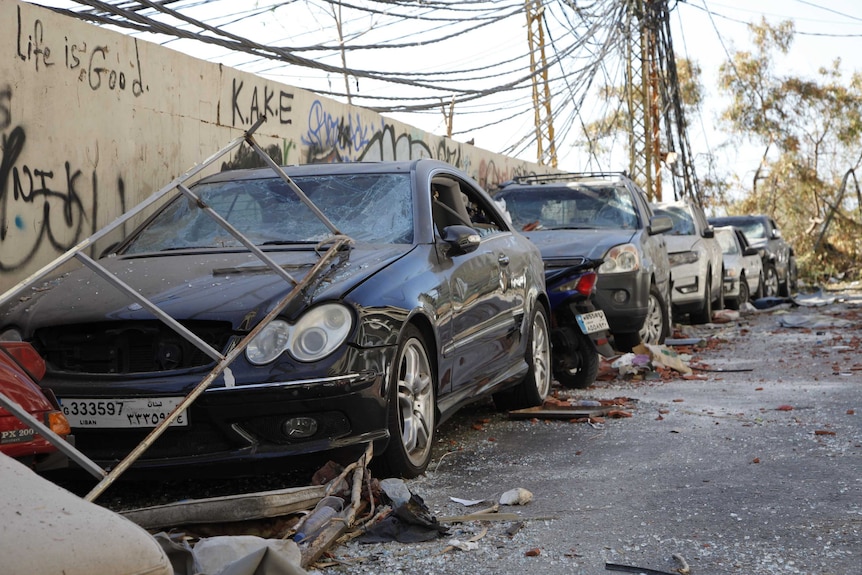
<point x="121" y="413"/>
<point x="592" y="322"/>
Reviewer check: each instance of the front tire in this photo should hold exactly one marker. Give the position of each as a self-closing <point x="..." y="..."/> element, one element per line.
<point x="657" y="323"/>
<point x="412" y="408"/>
<point x="760" y="286"/>
<point x="588" y="367"/>
<point x="656" y="326"/>
<point x="791" y="282"/>
<point x="704" y="314"/>
<point x="536" y="385"/>
<point x="743" y="297"/>
<point x="770" y="281"/>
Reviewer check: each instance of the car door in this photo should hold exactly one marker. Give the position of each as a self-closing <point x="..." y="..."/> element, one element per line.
<point x="488" y="293"/>
<point x="654" y="247"/>
<point x="712" y="247"/>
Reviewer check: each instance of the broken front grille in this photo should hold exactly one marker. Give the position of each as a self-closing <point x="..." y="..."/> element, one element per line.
<point x="127" y="347"/>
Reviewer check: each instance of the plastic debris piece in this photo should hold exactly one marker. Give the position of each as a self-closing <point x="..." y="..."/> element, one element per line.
<point x="517" y="496"/>
<point x="814" y="321"/>
<point x="324" y="512"/>
<point x="666" y="357"/>
<point x="396" y="490"/>
<point x="467" y="502"/>
<point x="463" y="545"/>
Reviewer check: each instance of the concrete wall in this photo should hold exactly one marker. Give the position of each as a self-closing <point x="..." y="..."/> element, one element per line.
<point x="93" y="121"/>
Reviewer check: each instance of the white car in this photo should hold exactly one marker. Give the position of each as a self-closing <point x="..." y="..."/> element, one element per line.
<point x="743" y="269"/>
<point x="696" y="263"/>
<point x="49" y="530"/>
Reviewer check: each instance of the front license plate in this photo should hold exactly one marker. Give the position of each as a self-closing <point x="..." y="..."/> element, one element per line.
<point x="592" y="322"/>
<point x="121" y="413"/>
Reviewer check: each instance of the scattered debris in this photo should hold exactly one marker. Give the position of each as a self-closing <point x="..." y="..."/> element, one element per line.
<point x="662" y="355"/>
<point x="633" y="569"/>
<point x="812" y="321"/>
<point x="570" y="412"/>
<point x="227" y="509"/>
<point x="683" y="569"/>
<point x="517" y="496"/>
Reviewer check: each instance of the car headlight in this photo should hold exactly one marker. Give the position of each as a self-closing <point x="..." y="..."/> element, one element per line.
<point x="681" y="258"/>
<point x="317" y="334"/>
<point x="622" y="258"/>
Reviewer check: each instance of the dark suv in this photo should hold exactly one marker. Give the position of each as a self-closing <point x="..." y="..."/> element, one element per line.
<point x="780" y="274"/>
<point x="601" y="216"/>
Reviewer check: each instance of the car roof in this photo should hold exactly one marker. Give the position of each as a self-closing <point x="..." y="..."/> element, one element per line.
<point x="731" y="219"/>
<point x="333" y="169"/>
<point x="566" y="179"/>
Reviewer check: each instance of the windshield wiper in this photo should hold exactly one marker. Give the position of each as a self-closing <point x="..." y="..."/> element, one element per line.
<point x="290" y="242"/>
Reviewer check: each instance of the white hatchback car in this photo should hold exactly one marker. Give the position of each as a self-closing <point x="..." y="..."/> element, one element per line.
<point x="695" y="259"/>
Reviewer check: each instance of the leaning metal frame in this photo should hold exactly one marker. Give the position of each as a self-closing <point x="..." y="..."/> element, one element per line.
<point x="337" y="242"/>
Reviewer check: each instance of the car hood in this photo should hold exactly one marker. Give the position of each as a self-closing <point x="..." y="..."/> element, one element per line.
<point x="593" y="244"/>
<point x="226" y="286"/>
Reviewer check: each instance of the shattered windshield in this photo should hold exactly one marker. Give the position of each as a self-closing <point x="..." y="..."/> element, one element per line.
<point x="370" y="208"/>
<point x="579" y="207"/>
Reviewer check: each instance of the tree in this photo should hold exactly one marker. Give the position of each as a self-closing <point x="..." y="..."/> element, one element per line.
<point x="810" y="131"/>
<point x="603" y="136"/>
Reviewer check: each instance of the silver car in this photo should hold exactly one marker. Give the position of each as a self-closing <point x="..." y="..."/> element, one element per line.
<point x="743" y="269"/>
<point x="695" y="260"/>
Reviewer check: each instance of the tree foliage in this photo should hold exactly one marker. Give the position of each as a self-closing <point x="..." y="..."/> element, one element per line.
<point x="809" y="131"/>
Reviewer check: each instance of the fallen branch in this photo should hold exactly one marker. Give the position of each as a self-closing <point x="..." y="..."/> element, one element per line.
<point x="339" y="526"/>
<point x="683" y="565"/>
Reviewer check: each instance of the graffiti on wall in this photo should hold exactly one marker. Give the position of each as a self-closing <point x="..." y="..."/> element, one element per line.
<point x="332" y="137"/>
<point x="44" y="204"/>
<point x="250" y="103"/>
<point x="92" y="63"/>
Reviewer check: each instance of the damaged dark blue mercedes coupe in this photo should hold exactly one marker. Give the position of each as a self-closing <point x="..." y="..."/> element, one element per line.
<point x="432" y="303"/>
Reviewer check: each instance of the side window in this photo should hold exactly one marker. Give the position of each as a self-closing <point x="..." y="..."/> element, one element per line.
<point x="455" y="202"/>
<point x="482" y="217"/>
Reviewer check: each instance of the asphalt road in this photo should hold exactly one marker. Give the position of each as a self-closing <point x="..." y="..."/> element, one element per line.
<point x="756" y="469"/>
<point x="751" y="466"/>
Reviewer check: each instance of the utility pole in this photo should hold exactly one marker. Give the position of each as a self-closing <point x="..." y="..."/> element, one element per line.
<point x="544" y="118"/>
<point x="654" y="102"/>
<point x="642" y="98"/>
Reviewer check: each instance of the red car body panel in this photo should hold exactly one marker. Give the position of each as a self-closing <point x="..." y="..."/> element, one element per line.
<point x="17" y="439"/>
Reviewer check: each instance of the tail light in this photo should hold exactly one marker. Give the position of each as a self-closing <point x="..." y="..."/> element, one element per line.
<point x="26" y="357"/>
<point x="586" y="284"/>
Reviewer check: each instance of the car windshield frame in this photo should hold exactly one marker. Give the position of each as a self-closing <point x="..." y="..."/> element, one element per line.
<point x="371" y="208"/>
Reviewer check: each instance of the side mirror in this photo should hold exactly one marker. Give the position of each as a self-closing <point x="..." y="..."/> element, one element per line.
<point x="461" y="239"/>
<point x="709" y="232"/>
<point x="750" y="251"/>
<point x="659" y="225"/>
<point x="776" y="234"/>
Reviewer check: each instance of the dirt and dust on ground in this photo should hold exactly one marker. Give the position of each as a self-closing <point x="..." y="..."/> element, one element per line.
<point x="751" y="463"/>
<point x="736" y="448"/>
